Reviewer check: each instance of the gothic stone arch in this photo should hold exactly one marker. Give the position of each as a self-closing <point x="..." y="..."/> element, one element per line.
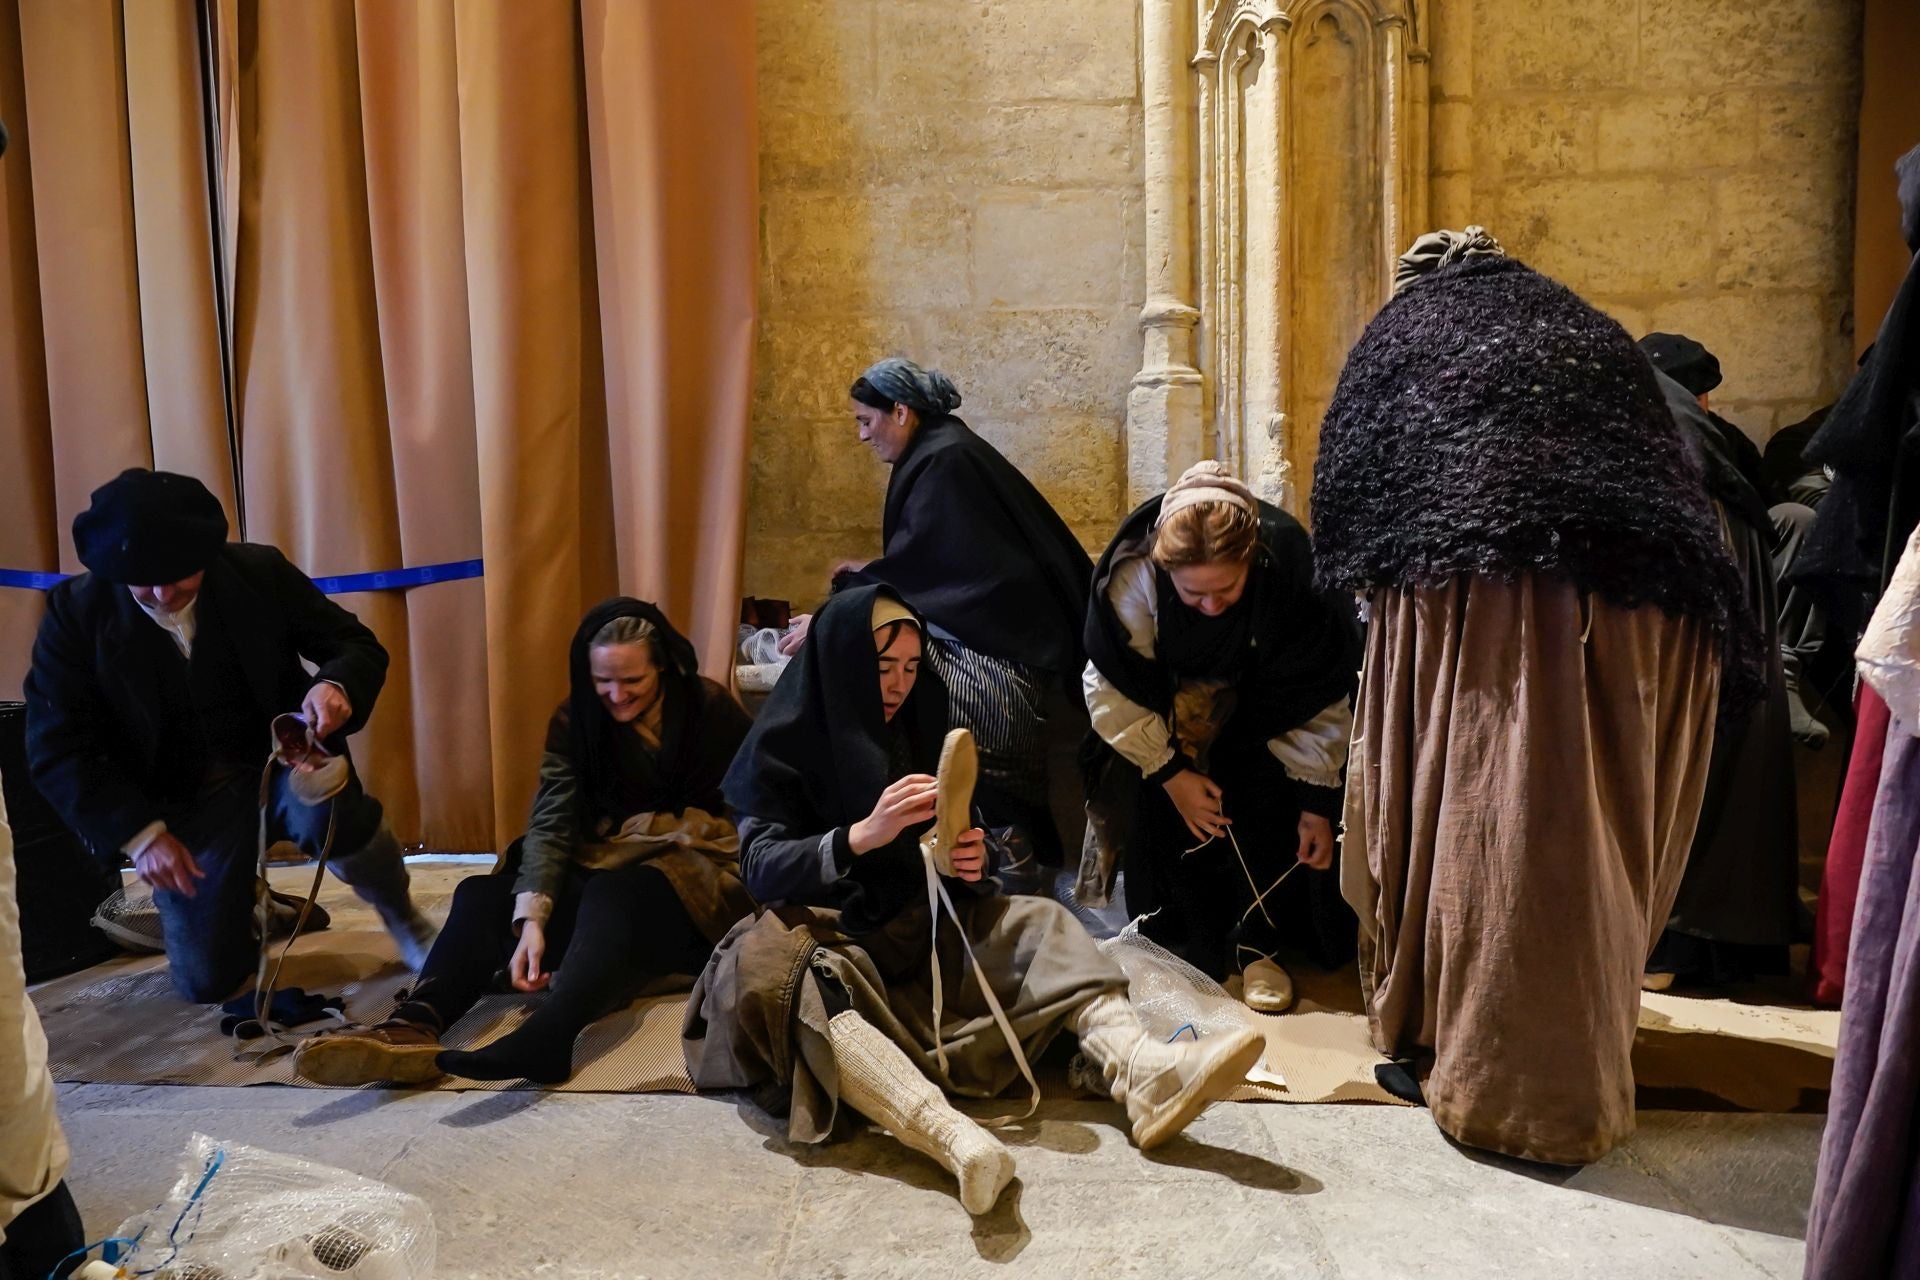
<point x="1286" y="158"/>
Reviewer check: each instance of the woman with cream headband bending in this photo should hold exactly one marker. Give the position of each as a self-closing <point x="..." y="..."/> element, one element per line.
<point x="1221" y="681"/>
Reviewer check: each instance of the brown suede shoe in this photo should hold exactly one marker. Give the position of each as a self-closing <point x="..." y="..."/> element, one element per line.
<point x="394" y="1052"/>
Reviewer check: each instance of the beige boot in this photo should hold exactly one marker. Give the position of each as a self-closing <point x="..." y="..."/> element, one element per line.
<point x="1164" y="1086"/>
<point x="878" y="1080"/>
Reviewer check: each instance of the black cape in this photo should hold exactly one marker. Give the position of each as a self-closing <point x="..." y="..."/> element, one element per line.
<point x="1741" y="883"/>
<point x="821" y="751"/>
<point x="1871" y="439"/>
<point x="975" y="549"/>
<point x="1715" y="447"/>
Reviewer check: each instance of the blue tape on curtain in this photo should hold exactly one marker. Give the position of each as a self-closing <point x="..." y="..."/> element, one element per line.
<point x="29" y="580"/>
<point x="388" y="580"/>
<point x="400" y="579"/>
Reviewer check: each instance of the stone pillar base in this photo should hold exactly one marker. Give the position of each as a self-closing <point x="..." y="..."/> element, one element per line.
<point x="1164" y="434"/>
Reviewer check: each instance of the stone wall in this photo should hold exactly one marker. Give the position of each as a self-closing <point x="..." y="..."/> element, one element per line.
<point x="1685" y="164"/>
<point x="961" y="181"/>
<point x="958" y="181"/>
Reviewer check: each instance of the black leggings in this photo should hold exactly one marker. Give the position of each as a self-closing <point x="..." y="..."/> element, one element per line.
<point x="611" y="933"/>
<point x="44" y="1234"/>
<point x="1207" y="912"/>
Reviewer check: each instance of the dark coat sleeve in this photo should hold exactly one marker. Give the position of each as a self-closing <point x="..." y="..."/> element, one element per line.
<point x="777" y="865"/>
<point x="344" y="649"/>
<point x="68" y="728"/>
<point x="553" y="830"/>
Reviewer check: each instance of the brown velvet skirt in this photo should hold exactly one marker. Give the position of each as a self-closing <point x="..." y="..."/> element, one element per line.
<point x="1525" y="779"/>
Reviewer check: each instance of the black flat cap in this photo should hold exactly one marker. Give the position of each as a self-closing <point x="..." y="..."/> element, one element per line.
<point x="145" y="528"/>
<point x="1684" y="360"/>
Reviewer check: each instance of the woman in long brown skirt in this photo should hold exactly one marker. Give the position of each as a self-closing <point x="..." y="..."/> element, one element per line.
<point x="1522" y="791"/>
<point x="1552" y="616"/>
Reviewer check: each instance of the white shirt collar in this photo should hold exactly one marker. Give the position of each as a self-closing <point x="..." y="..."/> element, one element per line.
<point x="178" y="623"/>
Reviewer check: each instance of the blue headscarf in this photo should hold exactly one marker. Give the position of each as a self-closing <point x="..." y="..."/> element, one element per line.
<point x="927" y="392"/>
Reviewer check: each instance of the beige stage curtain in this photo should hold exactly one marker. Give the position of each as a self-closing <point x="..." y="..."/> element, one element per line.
<point x="490" y="272"/>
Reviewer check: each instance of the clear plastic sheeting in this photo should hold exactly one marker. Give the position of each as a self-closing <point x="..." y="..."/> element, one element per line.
<point x="1102" y="921"/>
<point x="239" y="1213"/>
<point x="1174" y="999"/>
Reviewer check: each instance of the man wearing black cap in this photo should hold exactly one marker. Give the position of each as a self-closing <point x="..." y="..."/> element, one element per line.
<point x="1803" y="628"/>
<point x="156" y="676"/>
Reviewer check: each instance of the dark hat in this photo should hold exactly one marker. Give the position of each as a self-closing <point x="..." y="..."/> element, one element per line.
<point x="145" y="528"/>
<point x="1684" y="360"/>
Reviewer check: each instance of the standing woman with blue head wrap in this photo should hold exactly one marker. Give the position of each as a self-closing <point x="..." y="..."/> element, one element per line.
<point x="978" y="551"/>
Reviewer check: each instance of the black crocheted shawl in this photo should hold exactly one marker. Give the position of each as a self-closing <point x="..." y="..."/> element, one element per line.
<point x="1490" y="421"/>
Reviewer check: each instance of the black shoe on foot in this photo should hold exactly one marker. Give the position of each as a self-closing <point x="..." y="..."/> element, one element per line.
<point x="1396" y="1078"/>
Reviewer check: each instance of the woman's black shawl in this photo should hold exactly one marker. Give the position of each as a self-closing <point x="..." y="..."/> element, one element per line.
<point x="821" y="751"/>
<point x="1489" y="421"/>
<point x="975" y="549"/>
<point x="700" y="728"/>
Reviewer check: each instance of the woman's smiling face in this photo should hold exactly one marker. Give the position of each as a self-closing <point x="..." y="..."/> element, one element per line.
<point x="626" y="678"/>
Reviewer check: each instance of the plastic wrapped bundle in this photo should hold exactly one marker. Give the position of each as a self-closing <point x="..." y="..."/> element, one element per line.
<point x="761" y="662"/>
<point x="1173" y="997"/>
<point x="239" y="1213"/>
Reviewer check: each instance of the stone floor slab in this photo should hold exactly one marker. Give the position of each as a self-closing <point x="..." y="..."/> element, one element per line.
<point x="531" y="1184"/>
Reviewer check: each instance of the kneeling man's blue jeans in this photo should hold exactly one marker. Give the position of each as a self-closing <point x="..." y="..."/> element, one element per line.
<point x="212" y="943"/>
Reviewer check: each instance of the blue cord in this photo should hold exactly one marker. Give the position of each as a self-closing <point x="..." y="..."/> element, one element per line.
<point x="1184" y="1027"/>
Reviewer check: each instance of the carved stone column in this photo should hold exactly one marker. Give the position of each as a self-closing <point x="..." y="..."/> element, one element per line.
<point x="1310" y="120"/>
<point x="1165" y="409"/>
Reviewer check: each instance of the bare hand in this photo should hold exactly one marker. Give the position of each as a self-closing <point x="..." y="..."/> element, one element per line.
<point x="796" y="636"/>
<point x="907" y="803"/>
<point x="1198" y="798"/>
<point x="168" y="864"/>
<point x="970" y="855"/>
<point x="525" y="968"/>
<point x="326" y="708"/>
<point x="1316" y="841"/>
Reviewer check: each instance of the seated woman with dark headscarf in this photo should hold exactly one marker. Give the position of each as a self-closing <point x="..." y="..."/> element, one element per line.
<point x="1001" y="581"/>
<point x="627" y="872"/>
<point x="854" y="987"/>
<point x="1220" y="676"/>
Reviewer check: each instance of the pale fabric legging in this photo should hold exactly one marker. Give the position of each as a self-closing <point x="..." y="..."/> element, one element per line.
<point x="33" y="1149"/>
